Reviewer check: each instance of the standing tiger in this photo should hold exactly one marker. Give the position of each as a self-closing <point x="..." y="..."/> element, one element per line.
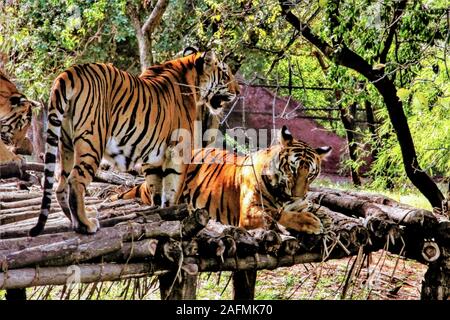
<point x="250" y="191"/>
<point x="15" y="117"/>
<point x="97" y="110"/>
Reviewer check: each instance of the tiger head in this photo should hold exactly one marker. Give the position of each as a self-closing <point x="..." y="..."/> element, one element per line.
<point x="216" y="81"/>
<point x="294" y="167"/>
<point x="15" y="113"/>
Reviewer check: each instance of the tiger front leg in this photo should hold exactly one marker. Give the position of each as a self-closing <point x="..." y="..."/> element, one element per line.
<point x="174" y="171"/>
<point x="150" y="191"/>
<point x="172" y="184"/>
<point x="303" y="221"/>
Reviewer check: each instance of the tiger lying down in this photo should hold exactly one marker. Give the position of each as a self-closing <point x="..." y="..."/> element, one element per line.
<point x="250" y="191"/>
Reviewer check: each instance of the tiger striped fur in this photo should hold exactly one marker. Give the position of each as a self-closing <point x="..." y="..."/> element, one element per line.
<point x="249" y="191"/>
<point x="97" y="110"/>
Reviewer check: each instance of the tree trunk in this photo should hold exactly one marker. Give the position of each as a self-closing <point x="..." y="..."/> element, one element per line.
<point x="37" y="126"/>
<point x="145" y="30"/>
<point x="372" y="127"/>
<point x="349" y="126"/>
<point x="145" y="50"/>
<point x="416" y="175"/>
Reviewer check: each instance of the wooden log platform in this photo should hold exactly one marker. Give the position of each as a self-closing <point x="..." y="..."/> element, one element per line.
<point x="177" y="243"/>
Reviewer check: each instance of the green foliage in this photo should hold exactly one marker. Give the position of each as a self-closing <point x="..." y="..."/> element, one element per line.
<point x="42" y="38"/>
<point x="427" y="102"/>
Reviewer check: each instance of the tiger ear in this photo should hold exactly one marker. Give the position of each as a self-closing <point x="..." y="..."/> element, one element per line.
<point x="189" y="50"/>
<point x="324" y="152"/>
<point x="286" y="137"/>
<point x="206" y="62"/>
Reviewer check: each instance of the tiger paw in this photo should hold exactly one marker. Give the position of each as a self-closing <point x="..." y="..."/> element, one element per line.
<point x="93" y="227"/>
<point x="302" y="222"/>
<point x="114" y="197"/>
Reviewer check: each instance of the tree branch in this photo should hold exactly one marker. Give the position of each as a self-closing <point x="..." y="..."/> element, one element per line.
<point x="155" y="17"/>
<point x="341" y="55"/>
<point x="392" y="29"/>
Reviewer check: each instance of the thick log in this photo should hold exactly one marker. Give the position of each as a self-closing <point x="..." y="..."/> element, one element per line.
<point x="194" y="223"/>
<point x="17" y="169"/>
<point x="17" y="215"/>
<point x="35" y="202"/>
<point x="411" y="217"/>
<point x="132" y="251"/>
<point x="63" y="249"/>
<point x="38" y="255"/>
<point x="130" y="231"/>
<point x="88" y="251"/>
<point x="178" y="212"/>
<point x="17" y="196"/>
<point x="62" y="224"/>
<point x="364" y="204"/>
<point x="163" y="229"/>
<point x="376" y="220"/>
<point x="268" y="241"/>
<point x="122" y="178"/>
<point x="32" y="277"/>
<point x="362" y="195"/>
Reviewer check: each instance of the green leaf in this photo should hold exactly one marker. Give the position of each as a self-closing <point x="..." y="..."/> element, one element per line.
<point x="403" y="94"/>
<point x="420" y="101"/>
<point x="323" y="3"/>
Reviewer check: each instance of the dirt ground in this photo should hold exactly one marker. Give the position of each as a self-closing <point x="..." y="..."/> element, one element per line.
<point x="387" y="278"/>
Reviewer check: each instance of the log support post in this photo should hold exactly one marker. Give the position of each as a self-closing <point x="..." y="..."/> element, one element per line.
<point x="244" y="285"/>
<point x="176" y="289"/>
<point x="16" y="294"/>
<point x="436" y="283"/>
